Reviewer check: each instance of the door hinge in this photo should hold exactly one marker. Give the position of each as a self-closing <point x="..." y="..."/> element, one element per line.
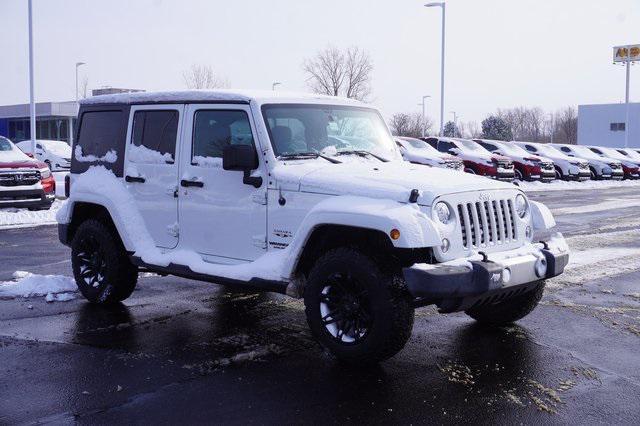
<point x="260" y="241"/>
<point x="173" y="230"/>
<point x="260" y="197"/>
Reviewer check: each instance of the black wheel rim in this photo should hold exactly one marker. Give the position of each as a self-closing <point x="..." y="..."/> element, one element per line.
<point x="91" y="262"/>
<point x="345" y="311"/>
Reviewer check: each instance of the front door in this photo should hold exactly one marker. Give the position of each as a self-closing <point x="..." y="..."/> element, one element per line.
<point x="151" y="168"/>
<point x="219" y="214"/>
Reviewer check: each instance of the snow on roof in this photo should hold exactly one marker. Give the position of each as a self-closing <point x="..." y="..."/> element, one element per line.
<point x="260" y="96"/>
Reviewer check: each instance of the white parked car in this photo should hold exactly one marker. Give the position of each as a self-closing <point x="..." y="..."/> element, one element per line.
<point x="630" y="153"/>
<point x="418" y="151"/>
<point x="567" y="168"/>
<point x="600" y="167"/>
<point x="305" y="195"/>
<point x="55" y="154"/>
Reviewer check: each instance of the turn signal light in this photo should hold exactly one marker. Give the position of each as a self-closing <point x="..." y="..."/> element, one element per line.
<point x="394" y="234"/>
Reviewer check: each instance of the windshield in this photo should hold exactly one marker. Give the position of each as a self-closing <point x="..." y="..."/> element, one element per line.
<point x="551" y="151"/>
<point x="511" y="149"/>
<point x="630" y="154"/>
<point x="472" y="146"/>
<point x="5" y="145"/>
<point x="583" y="151"/>
<point x="326" y="129"/>
<point x="58" y="148"/>
<point x="612" y="153"/>
<point x="420" y="144"/>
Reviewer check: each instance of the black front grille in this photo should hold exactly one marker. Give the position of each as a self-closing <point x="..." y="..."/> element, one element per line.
<point x="19" y="178"/>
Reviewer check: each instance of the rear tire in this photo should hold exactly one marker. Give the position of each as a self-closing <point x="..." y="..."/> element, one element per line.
<point x="102" y="270"/>
<point x="509" y="310"/>
<point x="559" y="175"/>
<point x="357" y="311"/>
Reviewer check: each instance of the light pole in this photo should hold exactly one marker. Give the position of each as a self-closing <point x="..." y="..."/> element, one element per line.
<point x="32" y="104"/>
<point x="78" y="64"/>
<point x="443" y="6"/>
<point x="424" y="114"/>
<point x="274" y="84"/>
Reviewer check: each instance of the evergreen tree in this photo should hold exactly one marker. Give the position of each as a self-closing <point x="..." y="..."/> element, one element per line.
<point x="494" y="127"/>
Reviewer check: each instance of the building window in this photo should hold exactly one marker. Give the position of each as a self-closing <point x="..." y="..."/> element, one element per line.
<point x="617" y="127"/>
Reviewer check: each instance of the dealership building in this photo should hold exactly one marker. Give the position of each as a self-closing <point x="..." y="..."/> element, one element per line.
<point x="54" y="120"/>
<point x="606" y="125"/>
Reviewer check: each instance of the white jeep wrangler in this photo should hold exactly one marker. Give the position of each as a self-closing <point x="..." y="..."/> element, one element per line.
<point x="303" y="195"/>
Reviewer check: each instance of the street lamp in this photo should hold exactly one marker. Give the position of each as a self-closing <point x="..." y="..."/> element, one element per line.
<point x="442" y="5"/>
<point x="275" y="83"/>
<point x="424" y="114"/>
<point x="32" y="103"/>
<point x="78" y="64"/>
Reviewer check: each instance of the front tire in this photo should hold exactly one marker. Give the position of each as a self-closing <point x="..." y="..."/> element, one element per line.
<point x="509" y="310"/>
<point x="357" y="311"/>
<point x="518" y="175"/>
<point x="102" y="270"/>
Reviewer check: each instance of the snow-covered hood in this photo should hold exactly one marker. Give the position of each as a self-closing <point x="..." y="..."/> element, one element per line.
<point x="14" y="156"/>
<point x="393" y="180"/>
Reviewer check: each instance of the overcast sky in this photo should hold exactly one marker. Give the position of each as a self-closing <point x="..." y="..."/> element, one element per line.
<point x="500" y="53"/>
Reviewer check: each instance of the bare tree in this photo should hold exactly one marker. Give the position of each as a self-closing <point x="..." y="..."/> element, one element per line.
<point x="566" y="126"/>
<point x="410" y="125"/>
<point x="526" y="124"/>
<point x="470" y="130"/>
<point x="338" y="72"/>
<point x="203" y="77"/>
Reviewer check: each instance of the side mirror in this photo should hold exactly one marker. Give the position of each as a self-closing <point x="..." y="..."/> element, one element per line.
<point x="239" y="157"/>
<point x="242" y="158"/>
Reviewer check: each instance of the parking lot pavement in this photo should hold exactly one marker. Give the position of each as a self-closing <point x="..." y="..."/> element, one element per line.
<point x="182" y="351"/>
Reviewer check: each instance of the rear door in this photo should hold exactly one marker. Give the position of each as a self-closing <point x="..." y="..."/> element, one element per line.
<point x="151" y="168"/>
<point x="220" y="216"/>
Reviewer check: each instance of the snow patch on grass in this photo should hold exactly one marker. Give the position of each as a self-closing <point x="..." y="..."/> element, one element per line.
<point x="56" y="288"/>
<point x="561" y="185"/>
<point x="21" y="218"/>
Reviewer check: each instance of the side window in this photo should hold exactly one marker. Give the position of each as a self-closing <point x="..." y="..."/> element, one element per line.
<point x="213" y="130"/>
<point x="530" y="148"/>
<point x="98" y="136"/>
<point x="445" y="146"/>
<point x="489" y="146"/>
<point x="597" y="151"/>
<point x="565" y="149"/>
<point x="154" y="135"/>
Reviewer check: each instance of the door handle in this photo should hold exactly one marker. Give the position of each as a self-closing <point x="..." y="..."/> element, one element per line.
<point x="138" y="179"/>
<point x="187" y="183"/>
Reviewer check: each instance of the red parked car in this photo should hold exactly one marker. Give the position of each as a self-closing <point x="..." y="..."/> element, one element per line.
<point x="24" y="182"/>
<point x="477" y="160"/>
<point x="527" y="166"/>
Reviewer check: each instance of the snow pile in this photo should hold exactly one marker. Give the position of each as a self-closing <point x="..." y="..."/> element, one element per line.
<point x="109" y="157"/>
<point x="142" y="154"/>
<point x="18" y="218"/>
<point x="210" y="162"/>
<point x="561" y="185"/>
<point x="25" y="284"/>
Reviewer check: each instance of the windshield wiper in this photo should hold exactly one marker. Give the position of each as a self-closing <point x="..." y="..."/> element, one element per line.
<point x="306" y="155"/>
<point x="362" y="153"/>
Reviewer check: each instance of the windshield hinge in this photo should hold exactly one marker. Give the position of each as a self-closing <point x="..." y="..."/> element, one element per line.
<point x="260" y="241"/>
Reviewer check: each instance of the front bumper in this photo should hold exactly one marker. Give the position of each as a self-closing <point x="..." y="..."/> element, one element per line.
<point x="455" y="287"/>
<point x="26" y="198"/>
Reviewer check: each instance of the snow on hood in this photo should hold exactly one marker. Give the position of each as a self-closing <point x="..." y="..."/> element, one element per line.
<point x="15" y="156"/>
<point x="393" y="180"/>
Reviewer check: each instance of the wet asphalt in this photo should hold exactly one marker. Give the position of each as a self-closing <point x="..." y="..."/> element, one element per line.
<point x="180" y="351"/>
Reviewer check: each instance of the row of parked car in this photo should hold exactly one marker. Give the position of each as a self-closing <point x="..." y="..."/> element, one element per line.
<point x="528" y="161"/>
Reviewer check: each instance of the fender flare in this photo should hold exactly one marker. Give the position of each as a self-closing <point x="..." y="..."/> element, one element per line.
<point x="416" y="229"/>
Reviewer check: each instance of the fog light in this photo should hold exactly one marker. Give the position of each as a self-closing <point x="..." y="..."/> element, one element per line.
<point x="506" y="275"/>
<point x="528" y="233"/>
<point x="394" y="234"/>
<point x="541" y="267"/>
<point x="445" y="245"/>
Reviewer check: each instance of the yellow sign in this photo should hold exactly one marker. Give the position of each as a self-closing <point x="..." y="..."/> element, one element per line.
<point x="629" y="53"/>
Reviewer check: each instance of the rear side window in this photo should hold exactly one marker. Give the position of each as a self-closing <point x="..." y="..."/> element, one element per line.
<point x="530" y="148"/>
<point x="597" y="151"/>
<point x="5" y="145"/>
<point x="154" y="136"/>
<point x="98" y="136"/>
<point x="565" y="149"/>
<point x="445" y="146"/>
<point x="489" y="146"/>
<point x="216" y="129"/>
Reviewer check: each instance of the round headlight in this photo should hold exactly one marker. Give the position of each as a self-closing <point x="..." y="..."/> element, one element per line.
<point x="443" y="212"/>
<point x="521" y="205"/>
